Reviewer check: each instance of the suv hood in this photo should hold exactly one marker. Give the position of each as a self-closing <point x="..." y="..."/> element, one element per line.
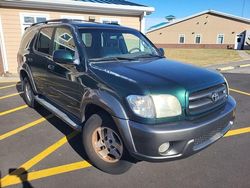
<point x="150" y="76"/>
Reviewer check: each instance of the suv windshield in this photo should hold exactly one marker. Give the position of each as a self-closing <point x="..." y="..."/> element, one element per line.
<point x="111" y="44"/>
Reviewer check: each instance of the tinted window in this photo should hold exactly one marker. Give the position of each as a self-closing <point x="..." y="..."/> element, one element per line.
<point x="44" y="40"/>
<point x="87" y="39"/>
<point x="26" y="40"/>
<point x="64" y="41"/>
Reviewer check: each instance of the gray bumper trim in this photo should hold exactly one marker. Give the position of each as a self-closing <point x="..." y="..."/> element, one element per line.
<point x="143" y="140"/>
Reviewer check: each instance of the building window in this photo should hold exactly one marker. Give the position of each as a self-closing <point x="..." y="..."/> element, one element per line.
<point x="28" y="19"/>
<point x="72" y="17"/>
<point x="197" y="39"/>
<point x="181" y="39"/>
<point x="220" y="38"/>
<point x="110" y="21"/>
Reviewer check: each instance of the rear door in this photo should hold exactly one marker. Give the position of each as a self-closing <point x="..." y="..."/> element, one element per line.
<point x="39" y="58"/>
<point x="63" y="83"/>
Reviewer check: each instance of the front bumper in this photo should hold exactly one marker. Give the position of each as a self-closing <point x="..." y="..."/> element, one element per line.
<point x="185" y="137"/>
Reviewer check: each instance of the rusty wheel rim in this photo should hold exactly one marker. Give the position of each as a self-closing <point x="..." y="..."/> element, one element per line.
<point x="107" y="144"/>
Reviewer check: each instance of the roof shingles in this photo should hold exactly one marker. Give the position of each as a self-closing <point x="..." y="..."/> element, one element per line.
<point x="115" y="2"/>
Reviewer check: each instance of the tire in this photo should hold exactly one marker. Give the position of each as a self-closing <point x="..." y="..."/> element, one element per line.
<point x="28" y="93"/>
<point x="100" y="149"/>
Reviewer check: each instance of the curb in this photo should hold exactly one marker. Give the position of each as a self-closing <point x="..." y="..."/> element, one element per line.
<point x="245" y="65"/>
<point x="233" y="67"/>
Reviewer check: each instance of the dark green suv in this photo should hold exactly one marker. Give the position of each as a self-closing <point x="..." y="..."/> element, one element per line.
<point x="130" y="102"/>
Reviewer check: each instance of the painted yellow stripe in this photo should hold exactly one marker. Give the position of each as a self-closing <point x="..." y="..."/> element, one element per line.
<point x="7" y="180"/>
<point x="24" y="127"/>
<point x="11" y="95"/>
<point x="46" y="173"/>
<point x="16" y="178"/>
<point x="225" y="68"/>
<point x="4" y="87"/>
<point x="9" y="81"/>
<point x="13" y="110"/>
<point x="244" y="65"/>
<point x="240" y="92"/>
<point x="238" y="131"/>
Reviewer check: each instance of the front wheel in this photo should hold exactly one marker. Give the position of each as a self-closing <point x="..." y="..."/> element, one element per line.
<point x="104" y="145"/>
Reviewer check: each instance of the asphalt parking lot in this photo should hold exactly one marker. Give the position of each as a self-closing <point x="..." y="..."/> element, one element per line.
<point x="39" y="150"/>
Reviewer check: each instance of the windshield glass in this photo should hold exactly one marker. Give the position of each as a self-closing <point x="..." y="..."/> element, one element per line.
<point x="111" y="44"/>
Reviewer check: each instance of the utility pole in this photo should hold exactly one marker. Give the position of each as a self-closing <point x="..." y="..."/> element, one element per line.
<point x="243" y="8"/>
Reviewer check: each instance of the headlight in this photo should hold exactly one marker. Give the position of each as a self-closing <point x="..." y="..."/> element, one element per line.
<point x="166" y="106"/>
<point x="155" y="106"/>
<point x="142" y="105"/>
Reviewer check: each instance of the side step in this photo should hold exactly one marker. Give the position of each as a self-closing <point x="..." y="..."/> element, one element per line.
<point x="58" y="113"/>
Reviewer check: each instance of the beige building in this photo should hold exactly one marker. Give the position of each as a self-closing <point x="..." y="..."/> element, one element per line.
<point x="16" y="15"/>
<point x="208" y="29"/>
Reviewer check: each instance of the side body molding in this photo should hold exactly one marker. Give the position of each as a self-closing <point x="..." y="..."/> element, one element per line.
<point x="104" y="100"/>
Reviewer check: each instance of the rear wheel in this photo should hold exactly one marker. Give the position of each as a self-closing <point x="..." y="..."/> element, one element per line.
<point x="104" y="146"/>
<point x="29" y="96"/>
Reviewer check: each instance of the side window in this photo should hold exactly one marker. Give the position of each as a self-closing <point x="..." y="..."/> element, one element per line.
<point x="64" y="41"/>
<point x="43" y="43"/>
<point x="87" y="39"/>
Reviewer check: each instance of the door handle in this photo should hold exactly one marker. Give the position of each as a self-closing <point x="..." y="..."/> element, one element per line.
<point x="51" y="67"/>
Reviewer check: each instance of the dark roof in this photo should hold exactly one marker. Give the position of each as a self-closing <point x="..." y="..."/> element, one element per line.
<point x="81" y="24"/>
<point x="115" y="2"/>
<point x="97" y="25"/>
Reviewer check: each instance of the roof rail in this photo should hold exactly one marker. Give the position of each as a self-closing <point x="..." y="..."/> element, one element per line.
<point x="53" y="21"/>
<point x="66" y="21"/>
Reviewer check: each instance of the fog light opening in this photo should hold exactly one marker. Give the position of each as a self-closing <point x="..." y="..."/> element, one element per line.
<point x="164" y="148"/>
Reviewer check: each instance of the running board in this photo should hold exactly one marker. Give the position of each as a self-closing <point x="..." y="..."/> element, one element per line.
<point x="58" y="113"/>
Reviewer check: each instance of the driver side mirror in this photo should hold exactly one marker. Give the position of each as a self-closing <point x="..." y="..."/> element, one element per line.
<point x="63" y="57"/>
<point x="161" y="51"/>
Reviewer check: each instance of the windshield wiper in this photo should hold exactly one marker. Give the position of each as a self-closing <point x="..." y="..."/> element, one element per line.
<point x="149" y="56"/>
<point x="115" y="58"/>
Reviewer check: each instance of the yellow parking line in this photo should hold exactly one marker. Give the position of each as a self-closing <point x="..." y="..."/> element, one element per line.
<point x="7" y="180"/>
<point x="238" y="91"/>
<point x="11" y="95"/>
<point x="16" y="177"/>
<point x="4" y="87"/>
<point x="46" y="173"/>
<point x="13" y="110"/>
<point x="10" y="81"/>
<point x="238" y="131"/>
<point x="24" y="127"/>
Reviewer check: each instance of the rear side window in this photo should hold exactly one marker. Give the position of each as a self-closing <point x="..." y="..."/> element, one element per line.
<point x="43" y="43"/>
<point x="26" y="40"/>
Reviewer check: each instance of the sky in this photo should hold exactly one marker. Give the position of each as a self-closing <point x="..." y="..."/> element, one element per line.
<point x="183" y="8"/>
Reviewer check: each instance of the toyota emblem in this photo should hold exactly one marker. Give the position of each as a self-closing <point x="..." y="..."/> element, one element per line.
<point x="215" y="97"/>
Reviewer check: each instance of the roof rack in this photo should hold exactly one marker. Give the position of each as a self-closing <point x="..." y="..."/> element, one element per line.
<point x="65" y="21"/>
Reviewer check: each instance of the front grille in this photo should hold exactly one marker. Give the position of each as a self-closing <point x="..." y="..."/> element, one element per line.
<point x="207" y="99"/>
<point x="204" y="140"/>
